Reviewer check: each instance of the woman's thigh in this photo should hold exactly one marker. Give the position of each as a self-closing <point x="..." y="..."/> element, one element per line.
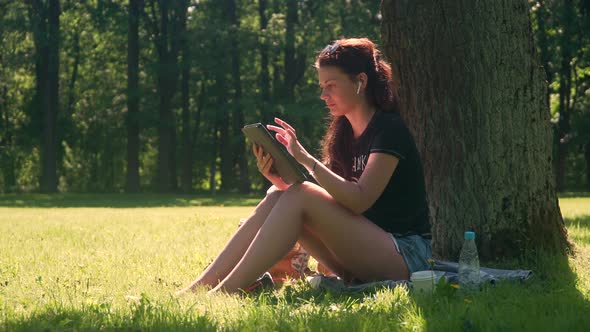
<point x="360" y="246"/>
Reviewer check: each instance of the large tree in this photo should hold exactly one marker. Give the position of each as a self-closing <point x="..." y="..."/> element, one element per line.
<point x="132" y="179"/>
<point x="474" y="96"/>
<point x="44" y="16"/>
<point x="165" y="20"/>
<point x="237" y="109"/>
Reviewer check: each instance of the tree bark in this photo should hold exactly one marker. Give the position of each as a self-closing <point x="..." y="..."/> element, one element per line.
<point x="165" y="31"/>
<point x="275" y="54"/>
<point x="166" y="93"/>
<point x="290" y="63"/>
<point x="45" y="18"/>
<point x="7" y="158"/>
<point x="264" y="72"/>
<point x="225" y="151"/>
<point x="197" y="120"/>
<point x="543" y="43"/>
<point x="239" y="143"/>
<point x="186" y="182"/>
<point x="213" y="167"/>
<point x="132" y="179"/>
<point x="473" y="95"/>
<point x="565" y="82"/>
<point x="225" y="127"/>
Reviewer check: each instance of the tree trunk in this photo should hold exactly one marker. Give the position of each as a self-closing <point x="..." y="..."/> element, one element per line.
<point x="6" y="129"/>
<point x="225" y="151"/>
<point x="172" y="152"/>
<point x="7" y="159"/>
<point x="239" y="143"/>
<point x="51" y="102"/>
<point x="473" y="95"/>
<point x="544" y="52"/>
<point x="67" y="135"/>
<point x="107" y="168"/>
<point x="166" y="92"/>
<point x="132" y="179"/>
<point x="165" y="30"/>
<point x="275" y="55"/>
<point x="264" y="73"/>
<point x="45" y="20"/>
<point x="565" y="80"/>
<point x="223" y="114"/>
<point x="164" y="139"/>
<point x="290" y="64"/>
<point x="200" y="106"/>
<point x="187" y="141"/>
<point x="213" y="168"/>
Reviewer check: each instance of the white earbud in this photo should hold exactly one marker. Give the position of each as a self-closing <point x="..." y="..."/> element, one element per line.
<point x="358" y="90"/>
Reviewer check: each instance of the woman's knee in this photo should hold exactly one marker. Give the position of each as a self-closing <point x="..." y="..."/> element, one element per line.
<point x="304" y="192"/>
<point x="273" y="194"/>
<point x="273" y="190"/>
<point x="303" y="188"/>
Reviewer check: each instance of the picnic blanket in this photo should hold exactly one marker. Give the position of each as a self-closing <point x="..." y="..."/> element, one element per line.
<point x="448" y="270"/>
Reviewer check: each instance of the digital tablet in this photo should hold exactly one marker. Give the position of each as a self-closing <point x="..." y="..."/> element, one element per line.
<point x="286" y="166"/>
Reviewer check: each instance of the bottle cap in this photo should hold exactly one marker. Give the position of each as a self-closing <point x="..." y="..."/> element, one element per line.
<point x="469" y="235"/>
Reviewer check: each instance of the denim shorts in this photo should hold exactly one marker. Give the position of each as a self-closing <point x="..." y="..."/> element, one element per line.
<point x="415" y="250"/>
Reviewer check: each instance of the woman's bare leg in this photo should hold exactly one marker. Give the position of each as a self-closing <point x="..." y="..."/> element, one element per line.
<point x="237" y="245"/>
<point x="322" y="254"/>
<point x="360" y="247"/>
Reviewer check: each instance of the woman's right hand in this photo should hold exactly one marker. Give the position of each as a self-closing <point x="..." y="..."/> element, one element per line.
<point x="264" y="163"/>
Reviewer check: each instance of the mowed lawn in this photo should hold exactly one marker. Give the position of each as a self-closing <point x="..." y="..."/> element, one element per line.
<point x="77" y="262"/>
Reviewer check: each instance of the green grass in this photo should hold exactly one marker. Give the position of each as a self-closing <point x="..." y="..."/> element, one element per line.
<point x="67" y="262"/>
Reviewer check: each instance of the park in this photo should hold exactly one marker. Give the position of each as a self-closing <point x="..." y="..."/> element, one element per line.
<point x="124" y="171"/>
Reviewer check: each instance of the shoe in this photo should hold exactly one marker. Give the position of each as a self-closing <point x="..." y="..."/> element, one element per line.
<point x="264" y="282"/>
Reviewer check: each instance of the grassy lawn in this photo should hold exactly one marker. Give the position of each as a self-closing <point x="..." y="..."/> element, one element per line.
<point x="67" y="262"/>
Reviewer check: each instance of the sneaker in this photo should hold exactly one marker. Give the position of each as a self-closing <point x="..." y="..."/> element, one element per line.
<point x="264" y="282"/>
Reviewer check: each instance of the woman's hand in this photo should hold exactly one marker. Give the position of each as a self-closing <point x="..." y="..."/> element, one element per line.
<point x="286" y="135"/>
<point x="264" y="163"/>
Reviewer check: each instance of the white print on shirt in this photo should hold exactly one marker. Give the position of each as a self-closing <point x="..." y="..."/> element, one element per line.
<point x="358" y="163"/>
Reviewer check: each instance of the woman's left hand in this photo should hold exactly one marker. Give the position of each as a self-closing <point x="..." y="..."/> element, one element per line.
<point x="287" y="136"/>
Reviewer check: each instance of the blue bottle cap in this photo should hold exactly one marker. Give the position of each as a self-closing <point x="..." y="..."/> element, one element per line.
<point x="469" y="235"/>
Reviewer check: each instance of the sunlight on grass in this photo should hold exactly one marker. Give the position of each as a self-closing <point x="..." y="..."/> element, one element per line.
<point x="117" y="268"/>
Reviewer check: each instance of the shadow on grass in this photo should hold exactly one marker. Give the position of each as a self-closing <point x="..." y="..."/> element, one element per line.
<point x="145" y="200"/>
<point x="553" y="299"/>
<point x="95" y="318"/>
<point x="572" y="194"/>
<point x="126" y="200"/>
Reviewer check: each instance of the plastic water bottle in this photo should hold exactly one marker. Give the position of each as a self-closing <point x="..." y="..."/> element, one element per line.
<point x="469" y="264"/>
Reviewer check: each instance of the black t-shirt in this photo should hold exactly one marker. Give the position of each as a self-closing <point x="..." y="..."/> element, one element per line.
<point x="402" y="208"/>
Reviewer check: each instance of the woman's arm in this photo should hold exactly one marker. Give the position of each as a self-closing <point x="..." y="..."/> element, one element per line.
<point x="356" y="196"/>
<point x="361" y="195"/>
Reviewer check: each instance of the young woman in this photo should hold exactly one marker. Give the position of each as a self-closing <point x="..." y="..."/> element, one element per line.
<point x="368" y="217"/>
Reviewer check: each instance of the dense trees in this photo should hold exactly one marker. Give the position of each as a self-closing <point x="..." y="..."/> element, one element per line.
<point x="562" y="30"/>
<point x="150" y="94"/>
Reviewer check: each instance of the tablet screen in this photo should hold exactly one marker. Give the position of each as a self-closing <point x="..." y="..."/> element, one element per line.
<point x="286" y="166"/>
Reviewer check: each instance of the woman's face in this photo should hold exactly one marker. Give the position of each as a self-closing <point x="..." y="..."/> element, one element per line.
<point x="338" y="90"/>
